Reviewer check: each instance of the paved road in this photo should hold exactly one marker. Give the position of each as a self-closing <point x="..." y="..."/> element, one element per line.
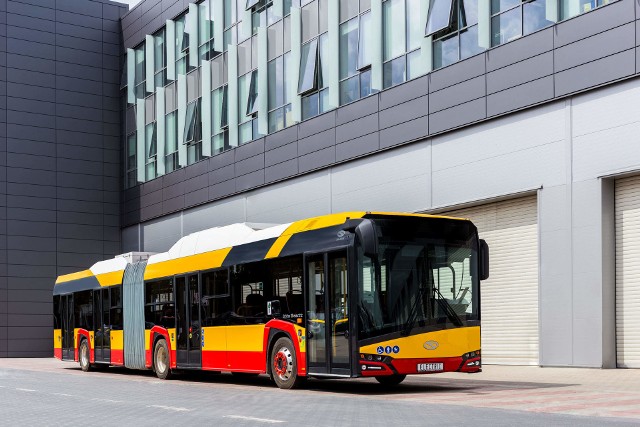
<point x="49" y="392"/>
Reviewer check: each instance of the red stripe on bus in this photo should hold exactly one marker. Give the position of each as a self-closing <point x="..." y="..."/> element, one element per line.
<point x="57" y="353"/>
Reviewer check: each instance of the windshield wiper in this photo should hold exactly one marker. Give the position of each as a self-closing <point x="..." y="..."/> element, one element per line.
<point x="444" y="305"/>
<point x="411" y="320"/>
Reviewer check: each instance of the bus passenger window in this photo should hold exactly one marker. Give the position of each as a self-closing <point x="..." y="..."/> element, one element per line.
<point x="216" y="299"/>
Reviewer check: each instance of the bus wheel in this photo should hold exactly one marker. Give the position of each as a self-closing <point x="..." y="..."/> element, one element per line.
<point x="161" y="360"/>
<point x="391" y="380"/>
<point x="284" y="366"/>
<point x="84" y="356"/>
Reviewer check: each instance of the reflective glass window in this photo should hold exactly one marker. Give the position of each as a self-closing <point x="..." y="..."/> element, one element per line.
<point x="445" y="51"/>
<point x="190" y="122"/>
<point x="349" y="90"/>
<point x="348" y="9"/>
<point x="394" y="28"/>
<point x="394" y="72"/>
<point x="309" y="14"/>
<point x="348" y="48"/>
<point x="308" y="67"/>
<point x="439" y="17"/>
<point x="415" y="33"/>
<point x="534" y="16"/>
<point x="252" y="98"/>
<point x="364" y="44"/>
<point x="506" y="27"/>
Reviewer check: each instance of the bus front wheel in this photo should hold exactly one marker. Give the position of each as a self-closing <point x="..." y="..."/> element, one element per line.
<point x="161" y="360"/>
<point x="284" y="367"/>
<point x="84" y="356"/>
<point x="391" y="380"/>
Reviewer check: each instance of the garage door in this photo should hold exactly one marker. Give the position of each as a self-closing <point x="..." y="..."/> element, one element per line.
<point x="628" y="271"/>
<point x="509" y="298"/>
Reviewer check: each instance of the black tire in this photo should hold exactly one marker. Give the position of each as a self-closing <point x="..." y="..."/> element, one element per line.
<point x="284" y="366"/>
<point x="84" y="356"/>
<point x="391" y="380"/>
<point x="162" y="360"/>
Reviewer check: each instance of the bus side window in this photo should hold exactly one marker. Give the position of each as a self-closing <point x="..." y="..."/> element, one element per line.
<point x="116" y="308"/>
<point x="216" y="298"/>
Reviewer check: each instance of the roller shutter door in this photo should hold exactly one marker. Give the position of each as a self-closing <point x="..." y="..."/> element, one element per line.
<point x="509" y="298"/>
<point x="627" y="206"/>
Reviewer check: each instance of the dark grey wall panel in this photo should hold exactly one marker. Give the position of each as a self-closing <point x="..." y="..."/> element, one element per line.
<point x="251" y="180"/>
<point x="404" y="92"/>
<point x="457" y="94"/>
<point x="595" y="47"/>
<point x="317" y="142"/>
<point x="57" y="216"/>
<point x="404" y="112"/>
<point x="281" y="154"/>
<point x="281" y="171"/>
<point x="520" y="96"/>
<point x="408" y="131"/>
<point x="357" y="147"/>
<point x="520" y="72"/>
<point x="595" y="73"/>
<point x="457" y="73"/>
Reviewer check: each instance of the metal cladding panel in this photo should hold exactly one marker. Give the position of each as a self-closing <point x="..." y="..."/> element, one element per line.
<point x="509" y="298"/>
<point x="627" y="213"/>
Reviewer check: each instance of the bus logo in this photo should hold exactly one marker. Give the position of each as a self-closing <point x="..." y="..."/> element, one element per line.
<point x="431" y="345"/>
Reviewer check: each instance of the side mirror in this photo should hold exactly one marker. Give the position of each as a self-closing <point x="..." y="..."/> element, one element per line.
<point x="483" y="269"/>
<point x="366" y="233"/>
<point x="273" y="308"/>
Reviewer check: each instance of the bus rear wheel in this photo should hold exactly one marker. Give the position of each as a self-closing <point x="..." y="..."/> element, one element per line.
<point x="161" y="360"/>
<point x="391" y="380"/>
<point x="284" y="367"/>
<point x="84" y="356"/>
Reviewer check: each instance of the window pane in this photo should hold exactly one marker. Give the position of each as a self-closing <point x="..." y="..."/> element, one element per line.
<point x="348" y="48"/>
<point x="250" y="3"/>
<point x="245" y="132"/>
<point x="308" y="67"/>
<point x="323" y="67"/>
<point x="506" y="27"/>
<point x="364" y="48"/>
<point x="159" y="54"/>
<point x="244" y="57"/>
<point x="287" y="34"/>
<point x="274" y="41"/>
<point x="535" y="16"/>
<point x="445" y="51"/>
<point x="323" y="16"/>
<point x="272" y="76"/>
<point x="394" y="72"/>
<point x="365" y="5"/>
<point x="468" y="13"/>
<point x="140" y="65"/>
<point x="414" y="68"/>
<point x="131" y="152"/>
<point x="394" y="29"/>
<point x="220" y="142"/>
<point x="348" y="9"/>
<point x="414" y="28"/>
<point x="439" y="16"/>
<point x="365" y="83"/>
<point x="285" y="69"/>
<point x="150" y="140"/>
<point x="276" y="120"/>
<point x="205" y="26"/>
<point x="349" y="90"/>
<point x="324" y="100"/>
<point x="309" y="15"/>
<point x="218" y="71"/>
<point x="217" y="103"/>
<point x="252" y="104"/>
<point x="190" y="123"/>
<point x="229" y="13"/>
<point x="288" y="115"/>
<point x="243" y="94"/>
<point x="500" y="5"/>
<point x="469" y="42"/>
<point x="569" y="8"/>
<point x="309" y="106"/>
<point x="171" y="134"/>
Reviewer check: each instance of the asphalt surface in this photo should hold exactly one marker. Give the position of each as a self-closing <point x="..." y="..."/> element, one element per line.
<point x="49" y="392"/>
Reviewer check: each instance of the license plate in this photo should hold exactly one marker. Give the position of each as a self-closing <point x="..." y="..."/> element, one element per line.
<point x="430" y="367"/>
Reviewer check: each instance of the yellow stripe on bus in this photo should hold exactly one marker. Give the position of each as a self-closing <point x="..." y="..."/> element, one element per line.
<point x="117" y="340"/>
<point x="244" y="338"/>
<point x="57" y="338"/>
<point x="110" y="279"/>
<point x="444" y="343"/>
<point x="74" y="276"/>
<point x="309" y="225"/>
<point x="205" y="261"/>
<point x="215" y="338"/>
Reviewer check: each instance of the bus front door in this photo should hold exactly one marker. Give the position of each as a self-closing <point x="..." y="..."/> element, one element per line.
<point x="102" y="329"/>
<point x="188" y="343"/>
<point x="66" y="314"/>
<point x="327" y="316"/>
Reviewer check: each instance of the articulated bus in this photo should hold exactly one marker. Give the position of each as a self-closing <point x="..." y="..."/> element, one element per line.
<point x="355" y="294"/>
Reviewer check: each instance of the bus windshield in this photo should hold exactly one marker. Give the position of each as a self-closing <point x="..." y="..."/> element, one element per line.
<point x="424" y="277"/>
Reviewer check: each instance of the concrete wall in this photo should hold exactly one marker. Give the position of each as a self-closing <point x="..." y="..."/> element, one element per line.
<point x="567" y="151"/>
<point x="59" y="156"/>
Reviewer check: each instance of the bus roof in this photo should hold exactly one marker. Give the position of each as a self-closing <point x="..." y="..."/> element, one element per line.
<point x="208" y="249"/>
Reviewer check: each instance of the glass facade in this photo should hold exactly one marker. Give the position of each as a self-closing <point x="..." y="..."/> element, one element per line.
<point x="261" y="68"/>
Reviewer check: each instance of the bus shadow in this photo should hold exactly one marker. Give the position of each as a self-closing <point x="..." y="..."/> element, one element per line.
<point x="360" y="386"/>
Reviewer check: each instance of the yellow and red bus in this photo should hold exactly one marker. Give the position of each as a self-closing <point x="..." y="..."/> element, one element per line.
<point x="355" y="294"/>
